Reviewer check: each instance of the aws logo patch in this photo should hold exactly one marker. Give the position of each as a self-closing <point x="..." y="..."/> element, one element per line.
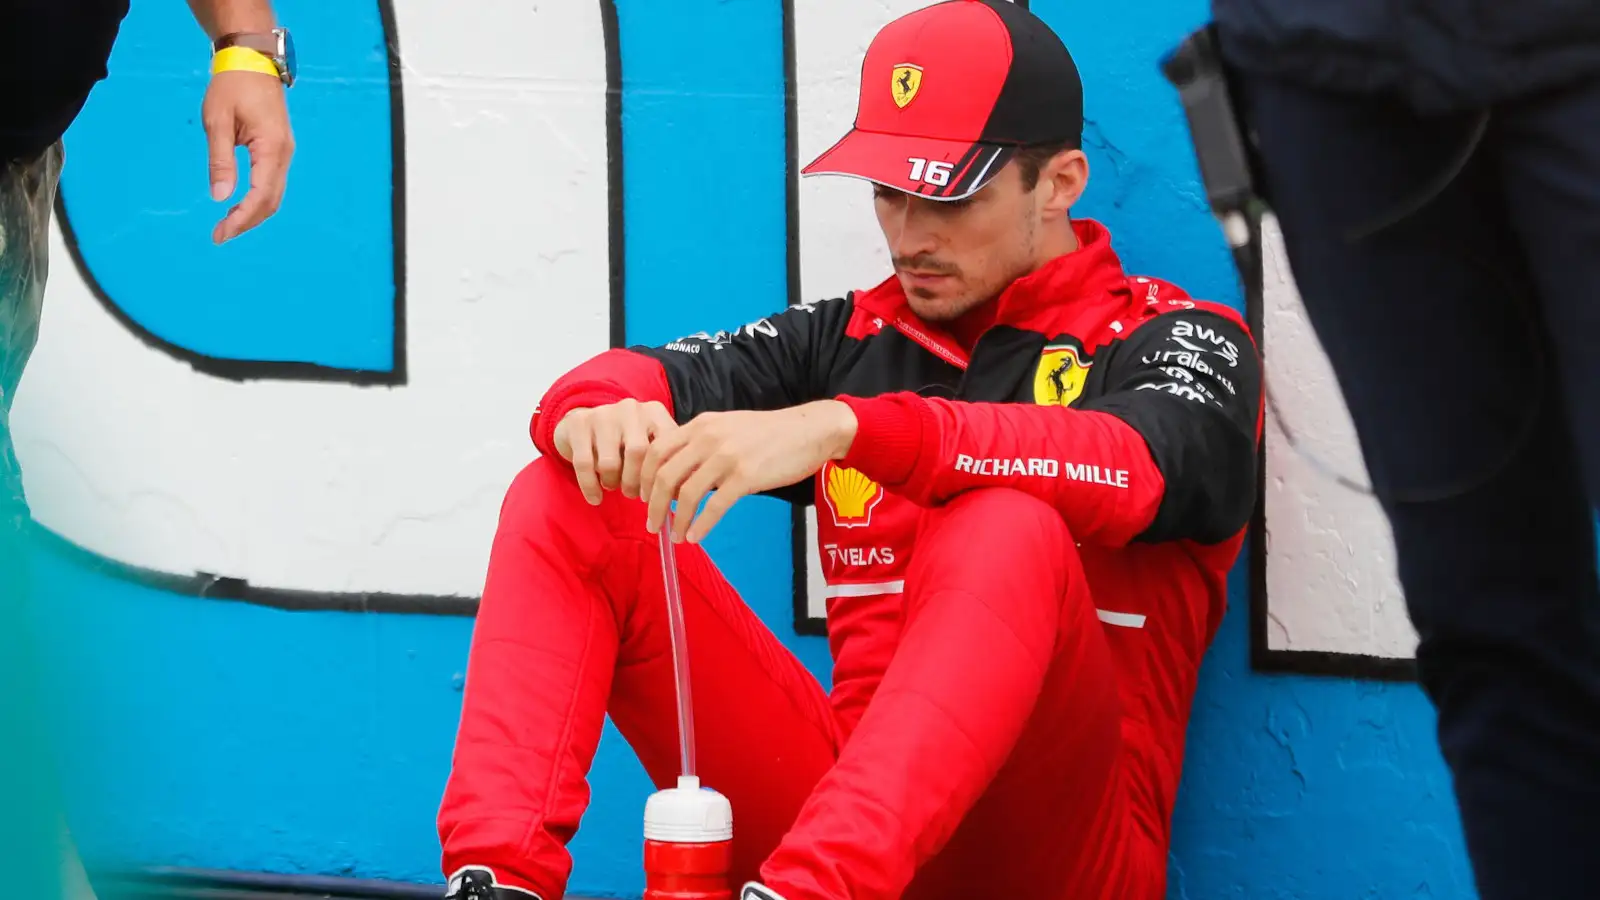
<point x="1061" y="375"/>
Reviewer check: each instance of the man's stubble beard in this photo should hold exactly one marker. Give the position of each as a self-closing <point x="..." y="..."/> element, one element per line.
<point x="954" y="308"/>
<point x="935" y="310"/>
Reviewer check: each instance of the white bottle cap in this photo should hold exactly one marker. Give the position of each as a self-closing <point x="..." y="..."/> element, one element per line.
<point x="688" y="814"/>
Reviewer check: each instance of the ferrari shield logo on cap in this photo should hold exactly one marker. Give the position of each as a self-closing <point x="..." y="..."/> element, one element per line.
<point x="907" y="79"/>
<point x="1061" y="375"/>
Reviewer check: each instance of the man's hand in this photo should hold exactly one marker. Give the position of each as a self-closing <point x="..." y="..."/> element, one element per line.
<point x="607" y="444"/>
<point x="247" y="109"/>
<point x="735" y="454"/>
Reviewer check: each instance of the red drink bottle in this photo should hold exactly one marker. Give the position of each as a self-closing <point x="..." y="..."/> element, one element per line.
<point x="688" y="843"/>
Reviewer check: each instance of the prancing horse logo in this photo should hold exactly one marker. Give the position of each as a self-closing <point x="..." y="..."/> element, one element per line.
<point x="907" y="80"/>
<point x="1061" y="375"/>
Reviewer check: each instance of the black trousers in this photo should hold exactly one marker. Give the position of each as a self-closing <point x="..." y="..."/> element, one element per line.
<point x="1465" y="334"/>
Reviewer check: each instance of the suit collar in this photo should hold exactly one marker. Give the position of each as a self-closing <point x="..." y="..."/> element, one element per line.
<point x="1081" y="291"/>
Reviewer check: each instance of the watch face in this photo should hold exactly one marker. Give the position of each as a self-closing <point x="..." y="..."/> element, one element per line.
<point x="286" y="42"/>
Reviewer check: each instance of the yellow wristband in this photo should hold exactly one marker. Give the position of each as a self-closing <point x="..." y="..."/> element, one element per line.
<point x="242" y="59"/>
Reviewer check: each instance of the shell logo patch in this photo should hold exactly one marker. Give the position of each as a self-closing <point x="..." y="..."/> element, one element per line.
<point x="1061" y="375"/>
<point x="851" y="495"/>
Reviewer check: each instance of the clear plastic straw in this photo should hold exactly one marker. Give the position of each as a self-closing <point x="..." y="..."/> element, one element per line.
<point x="680" y="647"/>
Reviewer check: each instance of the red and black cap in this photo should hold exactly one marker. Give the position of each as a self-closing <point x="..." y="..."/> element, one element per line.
<point x="950" y="92"/>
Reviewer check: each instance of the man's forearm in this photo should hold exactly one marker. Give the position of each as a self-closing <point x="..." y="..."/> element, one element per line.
<point x="1094" y="468"/>
<point x="220" y="17"/>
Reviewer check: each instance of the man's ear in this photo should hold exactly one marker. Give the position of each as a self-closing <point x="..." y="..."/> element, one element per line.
<point x="1061" y="182"/>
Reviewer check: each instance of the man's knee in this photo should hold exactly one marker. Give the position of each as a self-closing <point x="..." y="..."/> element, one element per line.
<point x="1008" y="519"/>
<point x="544" y="482"/>
<point x="544" y="503"/>
<point x="997" y="541"/>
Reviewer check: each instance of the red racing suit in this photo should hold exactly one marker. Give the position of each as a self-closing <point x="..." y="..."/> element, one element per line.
<point x="1130" y="410"/>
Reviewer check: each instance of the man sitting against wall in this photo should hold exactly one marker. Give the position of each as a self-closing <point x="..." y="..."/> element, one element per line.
<point x="1037" y="472"/>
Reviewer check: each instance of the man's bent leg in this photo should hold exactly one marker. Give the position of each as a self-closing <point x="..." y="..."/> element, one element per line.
<point x="996" y="608"/>
<point x="573" y="618"/>
<point x="1447" y="369"/>
<point x="1063" y="818"/>
<point x="764" y="731"/>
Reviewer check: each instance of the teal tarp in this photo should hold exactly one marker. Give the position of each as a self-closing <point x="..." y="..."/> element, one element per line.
<point x="31" y="825"/>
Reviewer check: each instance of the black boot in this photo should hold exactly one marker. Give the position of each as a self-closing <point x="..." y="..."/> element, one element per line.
<point x="477" y="883"/>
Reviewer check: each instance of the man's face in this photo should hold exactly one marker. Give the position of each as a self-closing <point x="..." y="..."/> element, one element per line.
<point x="953" y="256"/>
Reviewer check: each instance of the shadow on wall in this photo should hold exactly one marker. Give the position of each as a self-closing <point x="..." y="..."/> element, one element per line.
<point x="331" y="451"/>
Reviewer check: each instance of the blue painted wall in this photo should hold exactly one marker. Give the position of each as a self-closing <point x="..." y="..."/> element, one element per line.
<point x="222" y="735"/>
<point x="335" y="232"/>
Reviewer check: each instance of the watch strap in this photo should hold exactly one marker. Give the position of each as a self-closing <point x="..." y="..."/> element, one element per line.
<point x="265" y="42"/>
<point x="243" y="59"/>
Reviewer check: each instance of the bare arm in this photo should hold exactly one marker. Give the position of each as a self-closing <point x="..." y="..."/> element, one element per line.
<point x="244" y="109"/>
<point x="220" y="17"/>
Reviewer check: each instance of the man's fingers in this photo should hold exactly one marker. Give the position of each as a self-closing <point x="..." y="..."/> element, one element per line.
<point x="583" y="464"/>
<point x="219" y="124"/>
<point x="635" y="445"/>
<point x="662" y="448"/>
<point x="608" y="451"/>
<point x="562" y="439"/>
<point x="268" y="165"/>
<point x="658" y="502"/>
<point x="668" y="484"/>
<point x="722" y="499"/>
<point x="701" y="482"/>
<point x="658" y="419"/>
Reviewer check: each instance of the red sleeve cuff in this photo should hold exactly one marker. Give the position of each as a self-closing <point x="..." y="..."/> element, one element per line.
<point x="891" y="431"/>
<point x="614" y="375"/>
<point x="559" y="402"/>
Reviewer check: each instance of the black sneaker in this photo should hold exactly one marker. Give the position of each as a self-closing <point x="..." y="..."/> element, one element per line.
<point x="753" y="891"/>
<point x="477" y="883"/>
